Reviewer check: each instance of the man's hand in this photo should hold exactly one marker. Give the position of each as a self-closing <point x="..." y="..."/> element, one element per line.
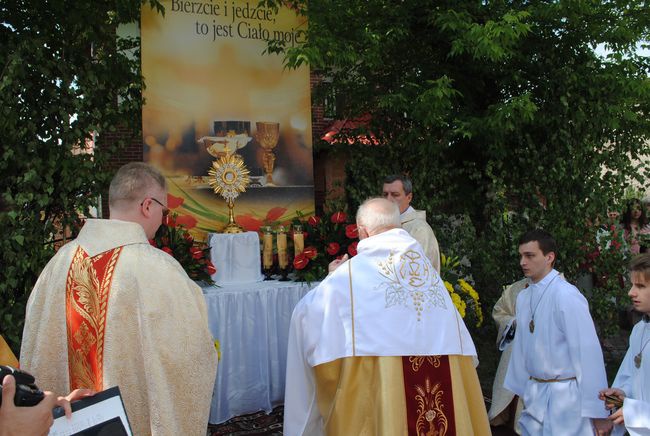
<point x="336" y="263"/>
<point x="602" y="426"/>
<point x="35" y="420"/>
<point x="617" y="417"/>
<point x="75" y="395"/>
<point x="611" y="397"/>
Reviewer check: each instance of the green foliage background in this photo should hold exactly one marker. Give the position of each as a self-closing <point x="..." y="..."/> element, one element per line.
<point x="63" y="76"/>
<point x="502" y="111"/>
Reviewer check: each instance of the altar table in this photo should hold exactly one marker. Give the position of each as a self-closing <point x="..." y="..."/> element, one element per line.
<point x="251" y="322"/>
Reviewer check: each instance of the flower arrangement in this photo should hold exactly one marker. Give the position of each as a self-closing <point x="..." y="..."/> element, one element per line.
<point x="174" y="239"/>
<point x="462" y="292"/>
<point x="326" y="239"/>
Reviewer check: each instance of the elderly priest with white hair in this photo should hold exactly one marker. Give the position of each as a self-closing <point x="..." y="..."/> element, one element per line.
<point x="378" y="347"/>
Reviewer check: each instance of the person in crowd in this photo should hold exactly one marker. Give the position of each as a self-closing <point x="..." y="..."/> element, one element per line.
<point x="629" y="396"/>
<point x="634" y="221"/>
<point x="399" y="190"/>
<point x="556" y="365"/>
<point x="110" y="309"/>
<point x="506" y="407"/>
<point x="35" y="420"/>
<point x="378" y="347"/>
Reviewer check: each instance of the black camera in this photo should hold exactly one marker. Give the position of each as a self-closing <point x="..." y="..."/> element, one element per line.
<point x="27" y="393"/>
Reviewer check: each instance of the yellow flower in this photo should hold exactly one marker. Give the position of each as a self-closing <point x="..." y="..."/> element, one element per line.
<point x="459" y="303"/>
<point x="217" y="346"/>
<point x="449" y="287"/>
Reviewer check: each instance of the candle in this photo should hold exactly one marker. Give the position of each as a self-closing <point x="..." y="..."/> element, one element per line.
<point x="267" y="249"/>
<point x="298" y="240"/>
<point x="283" y="258"/>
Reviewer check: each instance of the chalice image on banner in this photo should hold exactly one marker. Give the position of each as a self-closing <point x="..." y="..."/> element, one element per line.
<point x="229" y="177"/>
<point x="267" y="135"/>
<point x="217" y="145"/>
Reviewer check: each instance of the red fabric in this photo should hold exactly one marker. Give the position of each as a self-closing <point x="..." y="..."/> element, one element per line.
<point x="429" y="398"/>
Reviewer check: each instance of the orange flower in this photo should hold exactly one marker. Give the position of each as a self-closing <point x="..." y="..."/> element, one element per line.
<point x="249" y="223"/>
<point x="187" y="221"/>
<point x="275" y="213"/>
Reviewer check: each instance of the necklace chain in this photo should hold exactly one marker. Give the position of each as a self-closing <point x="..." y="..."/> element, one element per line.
<point x="639" y="357"/>
<point x="531" y="325"/>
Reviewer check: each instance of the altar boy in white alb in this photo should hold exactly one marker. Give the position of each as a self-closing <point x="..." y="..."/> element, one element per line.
<point x="378" y="348"/>
<point x="557" y="364"/>
<point x="632" y="383"/>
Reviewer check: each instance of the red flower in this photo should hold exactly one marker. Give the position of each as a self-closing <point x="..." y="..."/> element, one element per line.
<point x="210" y="268"/>
<point x="300" y="261"/>
<point x="352" y="249"/>
<point x="174" y="202"/>
<point x="310" y="252"/>
<point x="196" y="252"/>
<point x="249" y="222"/>
<point x="275" y="213"/>
<point x="153" y="242"/>
<point x="338" y="217"/>
<point x="351" y="231"/>
<point x="313" y="220"/>
<point x="333" y="248"/>
<point x="187" y="221"/>
<point x="169" y="221"/>
<point x="168" y="250"/>
<point x="188" y="237"/>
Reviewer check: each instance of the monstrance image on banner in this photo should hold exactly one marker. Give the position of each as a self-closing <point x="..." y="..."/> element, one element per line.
<point x="210" y="88"/>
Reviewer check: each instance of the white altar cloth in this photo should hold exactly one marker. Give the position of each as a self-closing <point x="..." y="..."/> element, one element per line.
<point x="251" y="323"/>
<point x="236" y="257"/>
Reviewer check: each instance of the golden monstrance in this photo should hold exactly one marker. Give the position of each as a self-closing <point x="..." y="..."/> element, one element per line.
<point x="229" y="177"/>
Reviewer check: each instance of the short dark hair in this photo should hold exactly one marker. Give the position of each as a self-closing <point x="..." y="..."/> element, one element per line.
<point x="641" y="264"/>
<point x="406" y="182"/>
<point x="545" y="240"/>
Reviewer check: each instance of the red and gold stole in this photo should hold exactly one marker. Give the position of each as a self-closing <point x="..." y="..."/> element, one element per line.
<point x="429" y="397"/>
<point x="87" y="289"/>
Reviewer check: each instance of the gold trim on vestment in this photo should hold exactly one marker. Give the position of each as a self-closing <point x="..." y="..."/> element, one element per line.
<point x="354" y="348"/>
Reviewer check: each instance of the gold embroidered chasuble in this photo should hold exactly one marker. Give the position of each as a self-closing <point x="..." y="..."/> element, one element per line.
<point x="379" y="349"/>
<point x="109" y="309"/>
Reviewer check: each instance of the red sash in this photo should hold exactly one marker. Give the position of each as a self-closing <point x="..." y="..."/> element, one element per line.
<point x="429" y="399"/>
<point x="87" y="289"/>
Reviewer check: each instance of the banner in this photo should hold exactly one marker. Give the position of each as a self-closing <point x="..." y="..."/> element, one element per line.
<point x="209" y="85"/>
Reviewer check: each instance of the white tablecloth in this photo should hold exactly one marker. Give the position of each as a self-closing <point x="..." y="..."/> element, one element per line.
<point x="236" y="257"/>
<point x="252" y="324"/>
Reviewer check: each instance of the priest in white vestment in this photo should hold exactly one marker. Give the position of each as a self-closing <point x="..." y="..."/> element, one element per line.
<point x="109" y="310"/>
<point x="632" y="383"/>
<point x="556" y="365"/>
<point x="378" y="348"/>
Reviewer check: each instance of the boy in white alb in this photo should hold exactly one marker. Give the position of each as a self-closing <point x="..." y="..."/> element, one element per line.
<point x="557" y="365"/>
<point x="632" y="383"/>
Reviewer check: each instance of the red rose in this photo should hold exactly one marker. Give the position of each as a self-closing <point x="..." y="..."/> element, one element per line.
<point x="196" y="252"/>
<point x="310" y="252"/>
<point x="210" y="268"/>
<point x="338" y="217"/>
<point x="351" y="231"/>
<point x="352" y="249"/>
<point x="313" y="220"/>
<point x="168" y="250"/>
<point x="300" y="261"/>
<point x="333" y="248"/>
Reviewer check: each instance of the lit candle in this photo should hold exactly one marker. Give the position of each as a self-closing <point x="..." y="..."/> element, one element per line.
<point x="267" y="249"/>
<point x="283" y="258"/>
<point x="298" y="240"/>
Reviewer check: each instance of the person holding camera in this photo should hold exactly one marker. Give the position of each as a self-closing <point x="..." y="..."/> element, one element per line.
<point x="34" y="420"/>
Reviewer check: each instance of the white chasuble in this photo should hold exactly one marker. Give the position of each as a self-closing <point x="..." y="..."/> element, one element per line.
<point x="378" y="335"/>
<point x="111" y="310"/>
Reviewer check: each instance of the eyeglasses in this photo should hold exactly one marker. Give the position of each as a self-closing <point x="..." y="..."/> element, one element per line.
<point x="165" y="209"/>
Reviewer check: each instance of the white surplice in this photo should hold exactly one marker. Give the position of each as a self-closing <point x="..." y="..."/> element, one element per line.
<point x="635" y="382"/>
<point x="386" y="301"/>
<point x="563" y="345"/>
<point x="157" y="346"/>
<point x="415" y="223"/>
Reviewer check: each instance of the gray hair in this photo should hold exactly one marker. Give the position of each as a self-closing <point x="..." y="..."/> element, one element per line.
<point x="378" y="214"/>
<point x="134" y="180"/>
<point x="406" y="182"/>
